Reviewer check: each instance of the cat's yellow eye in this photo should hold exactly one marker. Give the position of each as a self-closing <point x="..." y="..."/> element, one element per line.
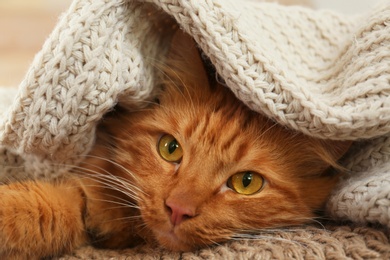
<point x="169" y="148"/>
<point x="246" y="183"/>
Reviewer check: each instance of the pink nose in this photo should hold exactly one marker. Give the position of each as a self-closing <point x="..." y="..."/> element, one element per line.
<point x="178" y="212"/>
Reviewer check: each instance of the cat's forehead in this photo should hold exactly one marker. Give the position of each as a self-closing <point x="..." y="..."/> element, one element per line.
<point x="228" y="128"/>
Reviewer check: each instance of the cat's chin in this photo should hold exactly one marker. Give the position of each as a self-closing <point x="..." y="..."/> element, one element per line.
<point x="171" y="241"/>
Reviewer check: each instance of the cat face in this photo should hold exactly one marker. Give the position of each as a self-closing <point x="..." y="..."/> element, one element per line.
<point x="209" y="168"/>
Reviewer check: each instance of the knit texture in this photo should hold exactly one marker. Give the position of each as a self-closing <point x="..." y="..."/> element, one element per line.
<point x="318" y="72"/>
<point x="337" y="242"/>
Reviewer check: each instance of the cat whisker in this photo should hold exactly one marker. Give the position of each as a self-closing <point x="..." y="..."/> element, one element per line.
<point x="170" y="76"/>
<point x="284" y="229"/>
<point x="127" y="218"/>
<point x="142" y="226"/>
<point x="125" y="182"/>
<point x="112" y="179"/>
<point x="107" y="181"/>
<point x="264" y="238"/>
<point x="265" y="131"/>
<point x="120" y="202"/>
<point x="267" y="236"/>
<point x="126" y="202"/>
<point x="148" y="106"/>
<point x="109" y="161"/>
<point x="126" y="205"/>
<point x="210" y="243"/>
<point x="127" y="171"/>
<point x="133" y="198"/>
<point x="111" y="184"/>
<point x="317" y="222"/>
<point x="270" y="234"/>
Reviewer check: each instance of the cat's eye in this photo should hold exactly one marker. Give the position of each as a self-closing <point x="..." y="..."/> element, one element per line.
<point x="246" y="183"/>
<point x="169" y="148"/>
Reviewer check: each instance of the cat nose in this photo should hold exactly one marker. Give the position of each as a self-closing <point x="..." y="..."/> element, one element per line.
<point x="179" y="212"/>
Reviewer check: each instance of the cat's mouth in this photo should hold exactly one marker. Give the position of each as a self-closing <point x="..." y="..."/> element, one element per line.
<point x="172" y="241"/>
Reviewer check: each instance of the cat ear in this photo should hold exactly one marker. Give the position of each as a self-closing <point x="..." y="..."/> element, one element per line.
<point x="337" y="149"/>
<point x="330" y="151"/>
<point x="316" y="190"/>
<point x="340" y="148"/>
<point x="185" y="59"/>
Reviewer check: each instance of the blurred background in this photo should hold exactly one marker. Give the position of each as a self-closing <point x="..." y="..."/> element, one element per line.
<point x="25" y="24"/>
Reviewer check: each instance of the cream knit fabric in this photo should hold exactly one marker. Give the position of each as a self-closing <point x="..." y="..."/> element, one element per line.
<point x="318" y="72"/>
<point x="340" y="242"/>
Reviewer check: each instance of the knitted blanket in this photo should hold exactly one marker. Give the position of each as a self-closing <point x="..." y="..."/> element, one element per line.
<point x="318" y="72"/>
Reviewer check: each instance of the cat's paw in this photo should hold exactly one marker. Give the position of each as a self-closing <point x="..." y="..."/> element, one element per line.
<point x="38" y="220"/>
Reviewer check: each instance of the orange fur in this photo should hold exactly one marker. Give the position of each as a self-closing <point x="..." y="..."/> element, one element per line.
<point x="121" y="195"/>
<point x="39" y="219"/>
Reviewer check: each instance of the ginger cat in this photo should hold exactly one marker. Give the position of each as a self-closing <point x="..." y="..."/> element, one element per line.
<point x="194" y="168"/>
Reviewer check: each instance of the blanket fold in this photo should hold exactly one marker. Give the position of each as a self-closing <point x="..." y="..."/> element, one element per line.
<point x="319" y="72"/>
